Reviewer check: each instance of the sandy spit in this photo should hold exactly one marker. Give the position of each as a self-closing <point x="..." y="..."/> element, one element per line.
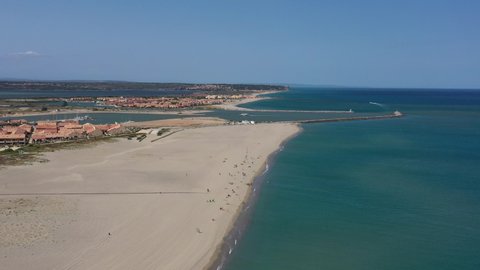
<point x="133" y="205"/>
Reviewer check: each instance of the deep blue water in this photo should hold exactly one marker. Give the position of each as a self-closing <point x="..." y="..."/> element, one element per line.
<point x="383" y="194"/>
<point x="358" y="99"/>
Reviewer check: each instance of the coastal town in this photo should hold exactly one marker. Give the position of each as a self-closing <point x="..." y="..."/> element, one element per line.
<point x="169" y="102"/>
<point x="22" y="132"/>
<point x="11" y="107"/>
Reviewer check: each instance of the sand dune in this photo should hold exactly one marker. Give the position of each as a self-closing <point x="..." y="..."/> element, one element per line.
<point x="132" y="205"/>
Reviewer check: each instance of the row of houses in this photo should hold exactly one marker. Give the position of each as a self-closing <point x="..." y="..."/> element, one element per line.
<point x="226" y="97"/>
<point x="13" y="122"/>
<point x="14" y="134"/>
<point x="160" y="102"/>
<point x="53" y="131"/>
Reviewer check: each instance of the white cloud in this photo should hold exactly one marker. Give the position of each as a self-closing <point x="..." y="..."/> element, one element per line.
<point x="26" y="54"/>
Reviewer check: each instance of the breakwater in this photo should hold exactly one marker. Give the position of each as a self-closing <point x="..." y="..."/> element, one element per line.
<point x="355" y="118"/>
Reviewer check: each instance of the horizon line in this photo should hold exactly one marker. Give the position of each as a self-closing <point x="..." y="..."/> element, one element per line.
<point x="320" y="85"/>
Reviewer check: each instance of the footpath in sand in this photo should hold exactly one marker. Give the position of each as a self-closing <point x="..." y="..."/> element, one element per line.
<point x="126" y="204"/>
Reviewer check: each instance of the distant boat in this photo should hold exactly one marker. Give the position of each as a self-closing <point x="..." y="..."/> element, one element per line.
<point x="377" y="104"/>
<point x="244" y="114"/>
<point x="82" y="118"/>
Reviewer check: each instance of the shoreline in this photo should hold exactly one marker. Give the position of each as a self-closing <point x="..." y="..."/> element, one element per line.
<point x="240" y="222"/>
<point x="195" y="110"/>
<point x="233" y="106"/>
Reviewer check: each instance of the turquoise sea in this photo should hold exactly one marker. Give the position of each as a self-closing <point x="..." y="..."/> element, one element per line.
<point x="380" y="194"/>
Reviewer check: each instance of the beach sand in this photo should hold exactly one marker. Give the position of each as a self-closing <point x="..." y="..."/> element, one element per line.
<point x="233" y="105"/>
<point x="179" y="122"/>
<point x="133" y="205"/>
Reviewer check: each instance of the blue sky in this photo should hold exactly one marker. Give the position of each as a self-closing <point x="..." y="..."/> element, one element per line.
<point x="428" y="43"/>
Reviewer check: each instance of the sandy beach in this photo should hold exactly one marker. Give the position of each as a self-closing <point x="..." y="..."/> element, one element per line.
<point x="165" y="204"/>
<point x="233" y="105"/>
<point x="179" y="122"/>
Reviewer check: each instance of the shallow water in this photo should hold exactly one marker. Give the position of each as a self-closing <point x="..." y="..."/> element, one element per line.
<point x="100" y="118"/>
<point x="384" y="194"/>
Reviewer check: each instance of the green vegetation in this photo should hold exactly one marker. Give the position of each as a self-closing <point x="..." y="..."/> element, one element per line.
<point x="141" y="137"/>
<point x="116" y="85"/>
<point x="162" y="131"/>
<point x="31" y="153"/>
<point x="32" y="105"/>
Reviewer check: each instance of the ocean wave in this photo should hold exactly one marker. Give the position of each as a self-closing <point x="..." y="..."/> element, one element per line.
<point x="266" y="169"/>
<point x="377" y="104"/>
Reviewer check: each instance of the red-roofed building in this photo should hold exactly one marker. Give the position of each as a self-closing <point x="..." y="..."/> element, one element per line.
<point x="18" y="121"/>
<point x="103" y="128"/>
<point x="14" y="134"/>
<point x="46" y="126"/>
<point x="25" y="127"/>
<point x="68" y="122"/>
<point x="114" y="129"/>
<point x="92" y="130"/>
<point x="13" y="138"/>
<point x="73" y="126"/>
<point x="38" y="137"/>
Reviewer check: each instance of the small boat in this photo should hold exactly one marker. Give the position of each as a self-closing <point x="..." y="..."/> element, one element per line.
<point x="82" y="118"/>
<point x="244" y="114"/>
